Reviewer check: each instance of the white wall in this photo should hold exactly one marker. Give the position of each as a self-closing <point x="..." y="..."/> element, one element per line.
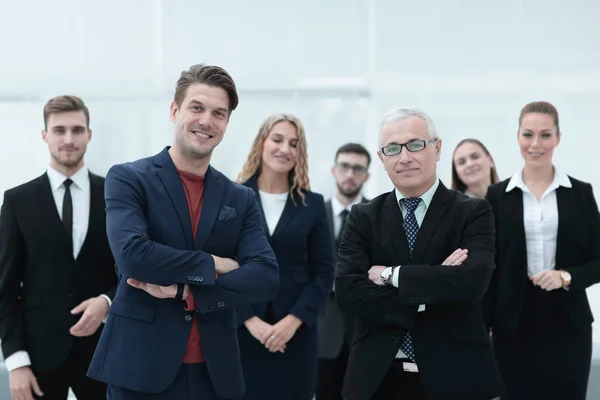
<point x="338" y="64"/>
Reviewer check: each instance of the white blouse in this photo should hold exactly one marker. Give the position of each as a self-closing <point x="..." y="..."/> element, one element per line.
<point x="273" y="205"/>
<point x="541" y="222"/>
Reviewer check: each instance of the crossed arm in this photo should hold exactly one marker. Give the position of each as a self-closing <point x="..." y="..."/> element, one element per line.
<point x="454" y="282"/>
<point x="158" y="268"/>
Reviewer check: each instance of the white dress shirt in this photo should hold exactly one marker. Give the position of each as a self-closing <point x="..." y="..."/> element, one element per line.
<point x="420" y="212"/>
<point x="80" y="194"/>
<point x="273" y="205"/>
<point x="337" y="207"/>
<point x="540" y="219"/>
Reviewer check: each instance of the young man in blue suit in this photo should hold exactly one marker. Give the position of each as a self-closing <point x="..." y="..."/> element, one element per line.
<point x="190" y="248"/>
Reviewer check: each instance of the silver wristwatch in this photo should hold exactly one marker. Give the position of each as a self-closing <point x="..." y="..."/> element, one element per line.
<point x="386" y="276"/>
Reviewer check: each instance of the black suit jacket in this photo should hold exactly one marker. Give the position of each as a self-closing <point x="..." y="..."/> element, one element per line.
<point x="334" y="326"/>
<point x="40" y="282"/>
<point x="452" y="347"/>
<point x="577" y="251"/>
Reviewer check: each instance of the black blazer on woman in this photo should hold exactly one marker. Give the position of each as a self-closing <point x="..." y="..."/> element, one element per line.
<point x="577" y="251"/>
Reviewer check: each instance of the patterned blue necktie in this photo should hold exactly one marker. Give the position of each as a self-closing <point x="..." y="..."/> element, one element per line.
<point x="411" y="228"/>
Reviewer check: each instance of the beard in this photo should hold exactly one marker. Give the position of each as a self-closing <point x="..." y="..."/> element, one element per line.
<point x="349" y="194"/>
<point x="68" y="162"/>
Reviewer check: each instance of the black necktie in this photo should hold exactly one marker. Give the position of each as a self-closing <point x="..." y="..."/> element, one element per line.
<point x="343" y="216"/>
<point x="67" y="210"/>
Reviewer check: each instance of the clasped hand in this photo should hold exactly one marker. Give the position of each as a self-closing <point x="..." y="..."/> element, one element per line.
<point x="274" y="337"/>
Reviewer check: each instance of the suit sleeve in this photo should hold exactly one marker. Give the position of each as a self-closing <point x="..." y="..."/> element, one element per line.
<point x="320" y="261"/>
<point x="12" y="263"/>
<point x="588" y="274"/>
<point x="257" y="278"/>
<point x="489" y="299"/>
<point x="355" y="293"/>
<point x="455" y="285"/>
<point x="136" y="255"/>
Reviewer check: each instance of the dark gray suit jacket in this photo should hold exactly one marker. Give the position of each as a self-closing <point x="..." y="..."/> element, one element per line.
<point x="333" y="326"/>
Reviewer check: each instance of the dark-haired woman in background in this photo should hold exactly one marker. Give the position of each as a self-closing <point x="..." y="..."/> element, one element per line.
<point x="473" y="168"/>
<point x="548" y="253"/>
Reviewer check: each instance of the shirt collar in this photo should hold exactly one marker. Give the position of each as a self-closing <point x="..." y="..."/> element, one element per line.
<point x="425" y="197"/>
<point x="80" y="178"/>
<point x="560" y="179"/>
<point x="337" y="207"/>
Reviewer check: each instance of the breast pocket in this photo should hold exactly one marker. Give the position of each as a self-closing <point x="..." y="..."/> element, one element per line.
<point x="227" y="230"/>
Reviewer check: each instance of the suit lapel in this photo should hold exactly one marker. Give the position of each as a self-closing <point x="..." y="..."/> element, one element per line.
<point x="97" y="207"/>
<point x="329" y="212"/>
<point x="287" y="215"/>
<point x="50" y="212"/>
<point x="514" y="213"/>
<point x="168" y="175"/>
<point x="289" y="211"/>
<point x="252" y="183"/>
<point x="565" y="202"/>
<point x="392" y="222"/>
<point x="213" y="193"/>
<point x="434" y="213"/>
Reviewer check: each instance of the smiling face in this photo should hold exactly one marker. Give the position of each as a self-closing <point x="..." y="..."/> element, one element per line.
<point x="201" y="120"/>
<point x="412" y="173"/>
<point x="280" y="149"/>
<point x="538" y="137"/>
<point x="473" y="165"/>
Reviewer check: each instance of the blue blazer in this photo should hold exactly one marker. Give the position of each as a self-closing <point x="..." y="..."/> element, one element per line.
<point x="303" y="244"/>
<point x="150" y="234"/>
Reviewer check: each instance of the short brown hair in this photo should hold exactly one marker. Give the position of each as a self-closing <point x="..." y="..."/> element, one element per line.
<point x="65" y="103"/>
<point x="354" y="148"/>
<point x="210" y="75"/>
<point x="542" y="107"/>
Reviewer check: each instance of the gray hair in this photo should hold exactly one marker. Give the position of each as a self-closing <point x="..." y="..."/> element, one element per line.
<point x="398" y="114"/>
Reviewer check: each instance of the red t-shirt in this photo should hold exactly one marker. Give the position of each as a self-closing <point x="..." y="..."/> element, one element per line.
<point x="193" y="186"/>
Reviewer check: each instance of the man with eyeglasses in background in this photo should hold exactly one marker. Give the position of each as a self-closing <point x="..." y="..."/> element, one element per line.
<point x="351" y="171"/>
<point x="413" y="266"/>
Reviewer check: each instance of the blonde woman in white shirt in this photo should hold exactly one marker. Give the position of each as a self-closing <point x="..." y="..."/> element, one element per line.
<point x="278" y="339"/>
<point x="548" y="253"/>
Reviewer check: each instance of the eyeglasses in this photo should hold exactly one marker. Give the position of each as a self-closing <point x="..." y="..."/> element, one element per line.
<point x="356" y="168"/>
<point x="412" y="146"/>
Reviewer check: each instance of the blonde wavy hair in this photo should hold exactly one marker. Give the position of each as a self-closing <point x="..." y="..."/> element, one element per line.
<point x="298" y="176"/>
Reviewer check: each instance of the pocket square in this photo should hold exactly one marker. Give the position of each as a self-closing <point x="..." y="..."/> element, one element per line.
<point x="227" y="213"/>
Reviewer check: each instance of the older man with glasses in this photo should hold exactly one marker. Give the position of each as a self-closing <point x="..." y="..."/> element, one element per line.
<point x="413" y="266"/>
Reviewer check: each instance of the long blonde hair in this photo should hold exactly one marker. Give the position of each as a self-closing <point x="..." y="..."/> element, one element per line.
<point x="298" y="176"/>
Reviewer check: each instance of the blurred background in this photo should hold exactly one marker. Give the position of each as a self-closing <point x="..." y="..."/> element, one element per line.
<point x="338" y="65"/>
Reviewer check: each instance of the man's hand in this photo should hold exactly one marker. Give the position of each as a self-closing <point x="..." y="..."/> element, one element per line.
<point x="160" y="292"/>
<point x="94" y="311"/>
<point x="282" y="332"/>
<point x="22" y="382"/>
<point x="458" y="257"/>
<point x="225" y="265"/>
<point x="375" y="274"/>
<point x="547" y="280"/>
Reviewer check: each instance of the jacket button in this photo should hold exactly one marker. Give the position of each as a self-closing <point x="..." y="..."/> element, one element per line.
<point x="200" y="279"/>
<point x="220" y="304"/>
<point x="188" y="318"/>
<point x="189" y="278"/>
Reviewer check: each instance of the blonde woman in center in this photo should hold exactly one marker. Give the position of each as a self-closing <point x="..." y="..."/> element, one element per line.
<point x="278" y="339"/>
